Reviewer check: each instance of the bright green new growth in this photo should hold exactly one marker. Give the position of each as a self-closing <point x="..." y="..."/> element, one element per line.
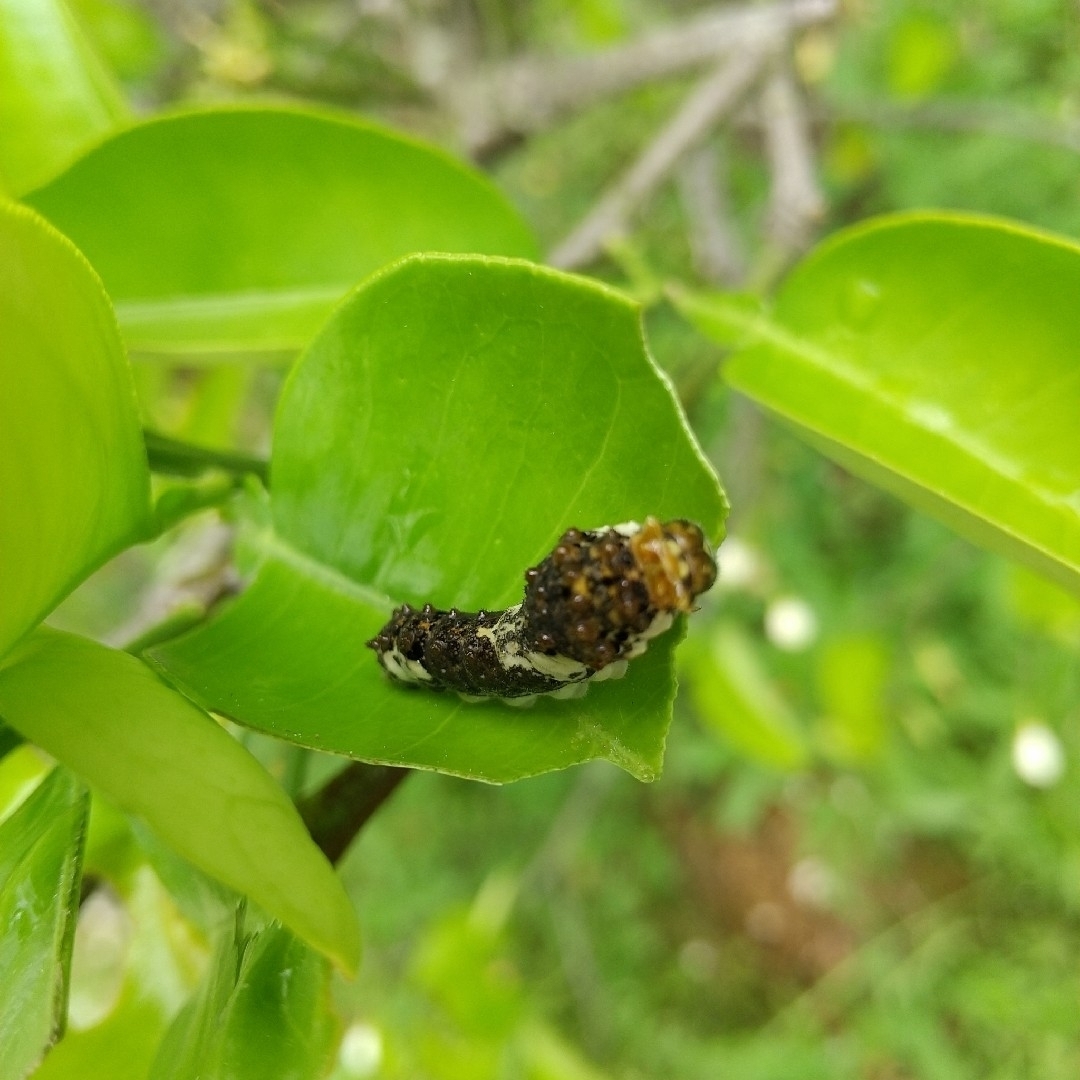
<point x="936" y="356"/>
<point x="155" y="755"/>
<point x="74" y="485"/>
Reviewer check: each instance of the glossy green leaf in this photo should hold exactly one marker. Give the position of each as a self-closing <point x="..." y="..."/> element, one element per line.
<point x="262" y="1013"/>
<point x="74" y="486"/>
<point x="41" y="848"/>
<point x="735" y="697"/>
<point x="55" y="96"/>
<point x="453" y="418"/>
<point x="241" y="228"/>
<point x="936" y="356"/>
<point x="109" y="718"/>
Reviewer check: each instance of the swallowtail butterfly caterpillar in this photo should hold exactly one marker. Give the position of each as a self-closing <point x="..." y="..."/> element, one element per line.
<point x="590" y="607"/>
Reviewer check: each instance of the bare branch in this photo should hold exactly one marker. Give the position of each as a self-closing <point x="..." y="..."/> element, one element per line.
<point x="714" y="240"/>
<point x="796" y="203"/>
<point x="719" y="93"/>
<point x="529" y="93"/>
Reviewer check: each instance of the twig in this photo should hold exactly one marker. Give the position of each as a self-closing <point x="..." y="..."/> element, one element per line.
<point x="714" y="241"/>
<point x="337" y="812"/>
<point x="742" y="449"/>
<point x="528" y="94"/>
<point x="717" y="94"/>
<point x="796" y="203"/>
<point x="974" y="118"/>
<point x="965" y="117"/>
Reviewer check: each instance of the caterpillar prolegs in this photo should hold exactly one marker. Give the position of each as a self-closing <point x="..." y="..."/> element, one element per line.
<point x="590" y="607"/>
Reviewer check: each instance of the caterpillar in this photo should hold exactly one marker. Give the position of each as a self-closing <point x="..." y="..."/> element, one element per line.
<point x="590" y="607"/>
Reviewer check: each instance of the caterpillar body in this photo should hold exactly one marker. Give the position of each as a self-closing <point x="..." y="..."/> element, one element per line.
<point x="590" y="607"/>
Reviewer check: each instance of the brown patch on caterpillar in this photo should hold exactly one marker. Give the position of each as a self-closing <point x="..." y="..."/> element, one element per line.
<point x="595" y="601"/>
<point x="597" y="597"/>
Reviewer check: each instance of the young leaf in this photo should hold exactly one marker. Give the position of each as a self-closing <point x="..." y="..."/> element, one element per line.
<point x="452" y="419"/>
<point x="936" y="356"/>
<point x="41" y="848"/>
<point x="55" y="95"/>
<point x="262" y="1013"/>
<point x="74" y="486"/>
<point x="110" y="719"/>
<point x="241" y="228"/>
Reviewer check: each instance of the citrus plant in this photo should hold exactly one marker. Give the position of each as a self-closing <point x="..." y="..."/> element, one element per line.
<point x="450" y="408"/>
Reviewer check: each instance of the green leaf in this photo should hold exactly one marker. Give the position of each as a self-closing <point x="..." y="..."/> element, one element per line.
<point x="55" y="96"/>
<point x="109" y="718"/>
<point x="241" y="228"/>
<point x="21" y="770"/>
<point x="74" y="486"/>
<point x="262" y="1013"/>
<point x="735" y="697"/>
<point x="41" y="848"/>
<point x="935" y="355"/>
<point x="160" y="961"/>
<point x="452" y="419"/>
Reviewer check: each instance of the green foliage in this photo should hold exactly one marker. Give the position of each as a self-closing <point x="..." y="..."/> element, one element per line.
<point x="733" y="694"/>
<point x="464" y="469"/>
<point x="893" y="352"/>
<point x="254" y="256"/>
<point x="41" y="846"/>
<point x="847" y="869"/>
<point x="154" y="754"/>
<point x="73" y="479"/>
<point x="262" y="1010"/>
<point x="56" y="97"/>
<point x="159" y="968"/>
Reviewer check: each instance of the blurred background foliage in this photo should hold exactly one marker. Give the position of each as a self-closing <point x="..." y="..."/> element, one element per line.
<point x="863" y="857"/>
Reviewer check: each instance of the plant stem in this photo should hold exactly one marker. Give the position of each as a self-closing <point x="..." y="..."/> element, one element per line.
<point x="337" y="812"/>
<point x="175" y="457"/>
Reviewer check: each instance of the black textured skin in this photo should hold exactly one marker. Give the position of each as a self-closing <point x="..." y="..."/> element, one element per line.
<point x="593" y="601"/>
<point x="446" y="643"/>
<point x="587" y="598"/>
